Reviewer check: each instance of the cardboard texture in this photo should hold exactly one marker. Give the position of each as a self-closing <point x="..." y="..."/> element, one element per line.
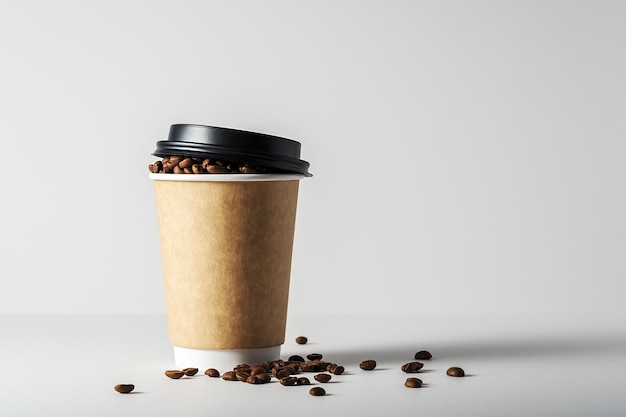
<point x="226" y="250"/>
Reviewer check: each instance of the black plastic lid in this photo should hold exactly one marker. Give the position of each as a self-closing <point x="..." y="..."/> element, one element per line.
<point x="233" y="145"/>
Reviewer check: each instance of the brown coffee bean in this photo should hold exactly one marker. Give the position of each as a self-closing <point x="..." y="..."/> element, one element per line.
<point x="336" y="369"/>
<point x="265" y="364"/>
<point x="175" y="160"/>
<point x="177" y="170"/>
<point x="303" y="381"/>
<point x="185" y="163"/>
<point x="264" y="378"/>
<point x="423" y="354"/>
<point x="317" y="391"/>
<point x="281" y="373"/>
<point x="190" y="371"/>
<point x="314" y="356"/>
<point x="296" y="358"/>
<point x="322" y="378"/>
<point x="242" y="376"/>
<point x="253" y="379"/>
<point x="124" y="388"/>
<point x="277" y="363"/>
<point x="294" y="365"/>
<point x="412" y="367"/>
<point x="413" y="383"/>
<point x="256" y="370"/>
<point x="174" y="374"/>
<point x="368" y="365"/>
<point x="212" y="372"/>
<point x="302" y="340"/>
<point x="455" y="371"/>
<point x="167" y="168"/>
<point x="243" y="367"/>
<point x="247" y="170"/>
<point x="288" y="381"/>
<point x="197" y="169"/>
<point x="229" y="376"/>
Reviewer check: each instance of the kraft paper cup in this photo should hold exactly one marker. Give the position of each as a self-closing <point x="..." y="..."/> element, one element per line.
<point x="226" y="246"/>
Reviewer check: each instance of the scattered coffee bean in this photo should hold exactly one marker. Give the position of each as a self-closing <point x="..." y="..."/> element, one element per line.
<point x="317" y="391"/>
<point x="190" y="371"/>
<point x="335" y="369"/>
<point x="314" y="356"/>
<point x="412" y="367"/>
<point x="265" y="364"/>
<point x="413" y="383"/>
<point x="264" y="378"/>
<point x="303" y="380"/>
<point x="256" y="370"/>
<point x="242" y="376"/>
<point x="368" y="365"/>
<point x="124" y="388"/>
<point x="253" y="379"/>
<point x="423" y="354"/>
<point x="212" y="372"/>
<point x="282" y="373"/>
<point x="288" y="380"/>
<point x="174" y="374"/>
<point x="301" y="340"/>
<point x="322" y="378"/>
<point x="455" y="371"/>
<point x="296" y="358"/>
<point x="229" y="376"/>
<point x="294" y="365"/>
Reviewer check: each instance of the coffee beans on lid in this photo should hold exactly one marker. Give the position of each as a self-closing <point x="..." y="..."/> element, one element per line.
<point x="301" y="340"/>
<point x="317" y="391"/>
<point x="413" y="383"/>
<point x="423" y="354"/>
<point x="368" y="365"/>
<point x="455" y="371"/>
<point x="124" y="388"/>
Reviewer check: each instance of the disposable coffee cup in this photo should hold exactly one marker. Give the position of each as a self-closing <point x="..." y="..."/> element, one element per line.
<point x="226" y="246"/>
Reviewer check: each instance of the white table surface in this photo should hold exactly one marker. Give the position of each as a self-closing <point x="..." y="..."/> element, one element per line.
<point x="517" y="365"/>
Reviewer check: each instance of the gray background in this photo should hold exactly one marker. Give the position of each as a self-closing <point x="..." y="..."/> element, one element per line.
<point x="467" y="156"/>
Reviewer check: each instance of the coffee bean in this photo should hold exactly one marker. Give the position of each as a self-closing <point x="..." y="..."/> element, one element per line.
<point x="264" y="378"/>
<point x="288" y="380"/>
<point x="317" y="391"/>
<point x="243" y="367"/>
<point x="281" y="373"/>
<point x="174" y="160"/>
<point x="256" y="370"/>
<point x="303" y="381"/>
<point x="190" y="371"/>
<point x="455" y="371"/>
<point x="215" y="169"/>
<point x="174" y="374"/>
<point x="412" y="367"/>
<point x="229" y="376"/>
<point x="294" y="365"/>
<point x="413" y="383"/>
<point x="296" y="358"/>
<point x="253" y="379"/>
<point x="336" y="369"/>
<point x="314" y="356"/>
<point x="185" y="163"/>
<point x="242" y="376"/>
<point x="196" y="168"/>
<point x="423" y="354"/>
<point x="177" y="170"/>
<point x="265" y="364"/>
<point x="124" y="388"/>
<point x="212" y="372"/>
<point x="322" y="377"/>
<point x="277" y="363"/>
<point x="368" y="365"/>
<point x="302" y="340"/>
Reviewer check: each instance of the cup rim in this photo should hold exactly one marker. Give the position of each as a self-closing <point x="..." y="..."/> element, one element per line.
<point x="225" y="177"/>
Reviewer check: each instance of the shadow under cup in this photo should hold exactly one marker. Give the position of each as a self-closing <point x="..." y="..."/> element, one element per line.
<point x="226" y="247"/>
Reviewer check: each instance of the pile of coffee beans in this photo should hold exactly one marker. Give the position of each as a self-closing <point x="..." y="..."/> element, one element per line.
<point x="286" y="372"/>
<point x="176" y="164"/>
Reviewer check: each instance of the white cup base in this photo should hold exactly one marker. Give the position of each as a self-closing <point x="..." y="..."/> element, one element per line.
<point x="222" y="359"/>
